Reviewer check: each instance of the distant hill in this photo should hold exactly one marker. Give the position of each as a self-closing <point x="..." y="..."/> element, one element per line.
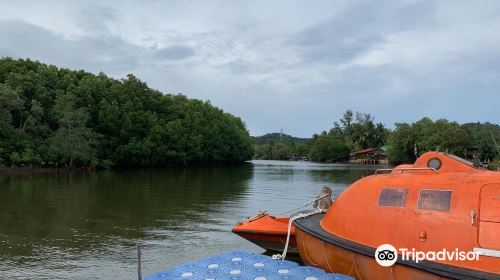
<point x="277" y="137"/>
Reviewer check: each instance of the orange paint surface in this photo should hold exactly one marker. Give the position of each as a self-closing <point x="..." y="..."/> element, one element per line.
<point x="423" y="219"/>
<point x="266" y="224"/>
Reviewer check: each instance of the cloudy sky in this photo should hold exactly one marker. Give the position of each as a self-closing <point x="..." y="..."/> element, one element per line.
<point x="291" y="65"/>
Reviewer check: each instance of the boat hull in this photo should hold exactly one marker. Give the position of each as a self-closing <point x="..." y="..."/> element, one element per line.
<point x="268" y="232"/>
<point x="270" y="242"/>
<point x="332" y="258"/>
<point x="321" y="249"/>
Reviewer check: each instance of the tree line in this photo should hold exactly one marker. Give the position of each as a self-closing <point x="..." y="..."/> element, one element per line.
<point x="352" y="132"/>
<point x="280" y="146"/>
<point x="473" y="141"/>
<point x="356" y="131"/>
<point x="52" y="116"/>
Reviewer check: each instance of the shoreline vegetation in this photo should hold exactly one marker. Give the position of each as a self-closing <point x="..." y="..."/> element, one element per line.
<point x="57" y="119"/>
<point x="358" y="131"/>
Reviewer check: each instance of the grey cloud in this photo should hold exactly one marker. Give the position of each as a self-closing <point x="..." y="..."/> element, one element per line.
<point x="109" y="54"/>
<point x="174" y="53"/>
<point x="98" y="19"/>
<point x="283" y="65"/>
<point x="359" y="28"/>
<point x="238" y="66"/>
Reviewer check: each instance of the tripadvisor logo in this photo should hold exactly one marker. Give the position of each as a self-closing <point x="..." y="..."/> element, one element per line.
<point x="386" y="255"/>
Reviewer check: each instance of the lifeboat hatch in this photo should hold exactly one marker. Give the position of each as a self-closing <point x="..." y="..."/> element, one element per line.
<point x="489" y="217"/>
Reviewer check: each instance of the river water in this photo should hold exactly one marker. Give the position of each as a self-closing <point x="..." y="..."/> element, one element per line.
<point x="86" y="226"/>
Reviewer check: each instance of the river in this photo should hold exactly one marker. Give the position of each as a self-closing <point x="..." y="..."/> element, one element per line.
<point x="86" y="226"/>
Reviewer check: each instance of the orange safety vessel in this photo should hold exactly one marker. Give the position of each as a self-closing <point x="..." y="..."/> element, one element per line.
<point x="267" y="232"/>
<point x="440" y="203"/>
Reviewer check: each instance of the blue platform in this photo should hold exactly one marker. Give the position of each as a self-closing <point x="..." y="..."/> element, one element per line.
<point x="244" y="266"/>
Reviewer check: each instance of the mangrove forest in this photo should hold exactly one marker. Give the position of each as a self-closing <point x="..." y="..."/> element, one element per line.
<point x="51" y="116"/>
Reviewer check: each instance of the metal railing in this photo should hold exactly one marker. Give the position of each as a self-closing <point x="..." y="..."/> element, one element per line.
<point x="401" y="170"/>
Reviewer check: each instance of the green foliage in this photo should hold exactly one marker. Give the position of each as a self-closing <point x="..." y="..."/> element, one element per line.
<point x="278" y="146"/>
<point x="278" y="137"/>
<point x="15" y="158"/>
<point x="484" y="137"/>
<point x="105" y="164"/>
<point x="10" y="104"/>
<point x="75" y="118"/>
<point x="28" y="157"/>
<point x="360" y="132"/>
<point x="495" y="165"/>
<point x="329" y="148"/>
<point x="401" y="144"/>
<point x="353" y="132"/>
<point x="443" y="135"/>
<point x="72" y="140"/>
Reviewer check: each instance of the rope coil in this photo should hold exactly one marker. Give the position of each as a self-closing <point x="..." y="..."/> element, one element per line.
<point x="282" y="256"/>
<point x="261" y="214"/>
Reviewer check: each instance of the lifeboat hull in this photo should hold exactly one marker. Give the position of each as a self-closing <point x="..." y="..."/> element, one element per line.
<point x="321" y="249"/>
<point x="268" y="232"/>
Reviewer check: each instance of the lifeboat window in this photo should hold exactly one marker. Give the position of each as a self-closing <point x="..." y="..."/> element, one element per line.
<point x="434" y="200"/>
<point x="393" y="197"/>
<point x="434" y="163"/>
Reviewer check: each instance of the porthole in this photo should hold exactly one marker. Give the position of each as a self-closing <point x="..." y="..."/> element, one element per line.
<point x="434" y="163"/>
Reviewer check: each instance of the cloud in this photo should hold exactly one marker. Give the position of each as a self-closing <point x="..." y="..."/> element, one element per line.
<point x="358" y="28"/>
<point x="282" y="64"/>
<point x="98" y="19"/>
<point x="174" y="53"/>
<point x="109" y="54"/>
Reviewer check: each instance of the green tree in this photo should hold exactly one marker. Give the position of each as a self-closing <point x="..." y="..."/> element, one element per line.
<point x="279" y="146"/>
<point x="428" y="135"/>
<point x="329" y="148"/>
<point x="401" y="144"/>
<point x="10" y="104"/>
<point x="484" y="136"/>
<point x="72" y="140"/>
<point x="76" y="118"/>
<point x="359" y="130"/>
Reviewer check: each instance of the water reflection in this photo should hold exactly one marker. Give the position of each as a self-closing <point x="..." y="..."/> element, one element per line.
<point x="85" y="226"/>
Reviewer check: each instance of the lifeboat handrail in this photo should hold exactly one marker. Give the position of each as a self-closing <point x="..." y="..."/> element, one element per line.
<point x="401" y="170"/>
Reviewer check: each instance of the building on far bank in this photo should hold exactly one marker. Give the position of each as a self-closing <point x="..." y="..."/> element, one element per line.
<point x="369" y="156"/>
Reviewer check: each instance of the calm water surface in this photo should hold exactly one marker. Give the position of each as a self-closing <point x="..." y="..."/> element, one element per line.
<point x="86" y="226"/>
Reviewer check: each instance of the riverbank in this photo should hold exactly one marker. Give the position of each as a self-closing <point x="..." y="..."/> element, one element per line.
<point x="348" y="162"/>
<point x="50" y="169"/>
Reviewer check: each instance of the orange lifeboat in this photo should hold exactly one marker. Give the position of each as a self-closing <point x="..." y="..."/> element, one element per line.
<point x="267" y="232"/>
<point x="441" y="216"/>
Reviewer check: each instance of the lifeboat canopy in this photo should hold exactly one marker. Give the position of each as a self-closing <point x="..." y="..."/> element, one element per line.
<point x="439" y="202"/>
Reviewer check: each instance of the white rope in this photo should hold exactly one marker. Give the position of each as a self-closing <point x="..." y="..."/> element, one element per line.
<point x="282" y="256"/>
<point x="262" y="213"/>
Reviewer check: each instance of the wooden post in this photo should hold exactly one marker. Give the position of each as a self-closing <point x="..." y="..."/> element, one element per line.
<point x="139" y="266"/>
